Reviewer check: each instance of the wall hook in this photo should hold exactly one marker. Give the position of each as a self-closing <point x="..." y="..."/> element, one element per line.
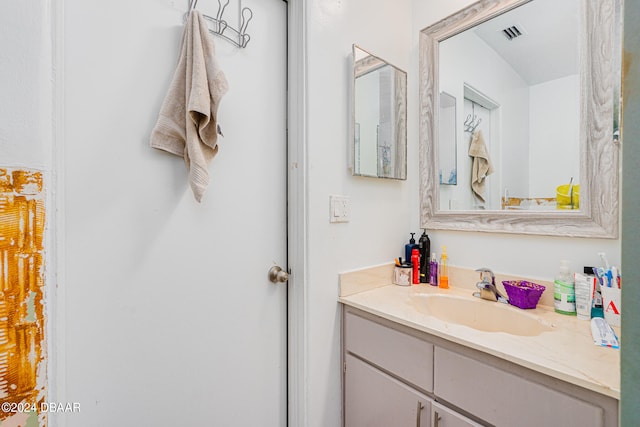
<point x="220" y="26"/>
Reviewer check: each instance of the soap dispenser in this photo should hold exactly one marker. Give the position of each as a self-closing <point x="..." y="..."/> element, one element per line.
<point x="564" y="292"/>
<point x="409" y="247"/>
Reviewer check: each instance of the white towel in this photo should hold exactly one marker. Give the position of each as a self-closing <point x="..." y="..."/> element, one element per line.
<point x="187" y="125"/>
<point x="481" y="167"/>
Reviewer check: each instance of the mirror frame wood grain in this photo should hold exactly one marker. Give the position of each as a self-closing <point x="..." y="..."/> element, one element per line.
<point x="598" y="216"/>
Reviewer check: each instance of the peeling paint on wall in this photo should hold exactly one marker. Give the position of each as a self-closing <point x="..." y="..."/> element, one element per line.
<point x="22" y="316"/>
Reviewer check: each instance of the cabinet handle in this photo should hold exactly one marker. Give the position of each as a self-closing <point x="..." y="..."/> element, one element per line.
<point x="419" y="409"/>
<point x="436" y="419"/>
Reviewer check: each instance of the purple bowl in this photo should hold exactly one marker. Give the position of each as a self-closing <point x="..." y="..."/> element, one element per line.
<point x="523" y="294"/>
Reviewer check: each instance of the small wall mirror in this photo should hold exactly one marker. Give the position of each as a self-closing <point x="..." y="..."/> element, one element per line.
<point x="533" y="141"/>
<point x="447" y="133"/>
<point x="379" y="117"/>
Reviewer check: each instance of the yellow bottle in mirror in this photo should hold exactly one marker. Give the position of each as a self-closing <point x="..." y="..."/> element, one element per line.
<point x="568" y="196"/>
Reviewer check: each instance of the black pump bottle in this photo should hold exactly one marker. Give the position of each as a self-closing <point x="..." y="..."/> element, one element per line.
<point x="425" y="249"/>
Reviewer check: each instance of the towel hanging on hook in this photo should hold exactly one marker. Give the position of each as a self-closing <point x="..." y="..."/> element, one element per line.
<point x="219" y="25"/>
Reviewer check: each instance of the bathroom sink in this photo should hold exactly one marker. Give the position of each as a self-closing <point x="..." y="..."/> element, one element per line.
<point x="481" y="315"/>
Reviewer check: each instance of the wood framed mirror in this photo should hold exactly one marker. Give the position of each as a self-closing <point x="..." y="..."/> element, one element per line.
<point x="589" y="121"/>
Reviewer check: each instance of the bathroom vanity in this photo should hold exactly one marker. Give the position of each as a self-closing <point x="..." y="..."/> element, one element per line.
<point x="423" y="356"/>
<point x="403" y="365"/>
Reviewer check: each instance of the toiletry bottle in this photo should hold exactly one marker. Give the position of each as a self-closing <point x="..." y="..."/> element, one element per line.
<point x="443" y="270"/>
<point x="564" y="292"/>
<point x="433" y="270"/>
<point x="425" y="250"/>
<point x="410" y="247"/>
<point x="596" y="304"/>
<point x="415" y="261"/>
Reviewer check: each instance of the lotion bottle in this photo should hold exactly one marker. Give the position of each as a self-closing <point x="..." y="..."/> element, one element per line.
<point x="443" y="270"/>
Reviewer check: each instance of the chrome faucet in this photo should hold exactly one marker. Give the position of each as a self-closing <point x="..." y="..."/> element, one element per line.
<point x="487" y="286"/>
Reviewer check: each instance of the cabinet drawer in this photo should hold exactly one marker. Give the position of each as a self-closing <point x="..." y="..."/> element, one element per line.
<point x="400" y="354"/>
<point x="504" y="399"/>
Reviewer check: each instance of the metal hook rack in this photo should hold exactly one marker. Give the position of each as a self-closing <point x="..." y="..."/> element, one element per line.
<point x="472" y="121"/>
<point x="219" y="26"/>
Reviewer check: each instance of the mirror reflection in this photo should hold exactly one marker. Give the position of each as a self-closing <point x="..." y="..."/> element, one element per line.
<point x="515" y="80"/>
<point x="537" y="140"/>
<point x="379" y="117"/>
<point x="447" y="138"/>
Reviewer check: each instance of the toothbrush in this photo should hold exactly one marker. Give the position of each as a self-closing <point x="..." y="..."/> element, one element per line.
<point x="603" y="257"/>
<point x="599" y="273"/>
<point x="616" y="277"/>
<point x="571" y="192"/>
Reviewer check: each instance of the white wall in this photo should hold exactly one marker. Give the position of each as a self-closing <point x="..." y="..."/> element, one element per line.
<point x="26" y="91"/>
<point x="554" y="135"/>
<point x="467" y="59"/>
<point x="26" y="126"/>
<point x="381" y="209"/>
<point x="533" y="256"/>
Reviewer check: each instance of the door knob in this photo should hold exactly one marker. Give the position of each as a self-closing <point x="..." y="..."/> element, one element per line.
<point x="278" y="275"/>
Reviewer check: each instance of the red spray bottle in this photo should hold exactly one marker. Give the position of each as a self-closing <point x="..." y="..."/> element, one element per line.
<point x="415" y="261"/>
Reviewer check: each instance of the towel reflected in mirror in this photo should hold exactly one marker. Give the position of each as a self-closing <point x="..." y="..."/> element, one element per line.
<point x="481" y="167"/>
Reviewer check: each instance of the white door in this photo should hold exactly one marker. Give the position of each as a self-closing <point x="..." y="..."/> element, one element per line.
<point x="483" y="115"/>
<point x="167" y="314"/>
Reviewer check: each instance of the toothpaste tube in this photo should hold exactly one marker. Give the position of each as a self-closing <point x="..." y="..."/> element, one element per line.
<point x="603" y="334"/>
<point x="585" y="287"/>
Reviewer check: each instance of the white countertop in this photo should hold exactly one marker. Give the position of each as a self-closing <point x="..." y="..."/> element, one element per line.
<point x="567" y="352"/>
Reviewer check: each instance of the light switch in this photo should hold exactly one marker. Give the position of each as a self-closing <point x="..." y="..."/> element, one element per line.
<point x="339" y="209"/>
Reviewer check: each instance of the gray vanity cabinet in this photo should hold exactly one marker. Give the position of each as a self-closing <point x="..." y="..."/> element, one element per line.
<point x="397" y="376"/>
<point x="388" y="379"/>
<point x="376" y="399"/>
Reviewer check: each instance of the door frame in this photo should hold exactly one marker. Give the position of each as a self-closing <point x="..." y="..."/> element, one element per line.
<point x="297" y="211"/>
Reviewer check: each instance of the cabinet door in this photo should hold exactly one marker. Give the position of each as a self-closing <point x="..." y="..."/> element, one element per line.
<point x="375" y="399"/>
<point x="445" y="417"/>
<point x="504" y="399"/>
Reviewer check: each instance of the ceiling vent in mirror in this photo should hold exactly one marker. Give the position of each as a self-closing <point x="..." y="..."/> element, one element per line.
<point x="513" y="31"/>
